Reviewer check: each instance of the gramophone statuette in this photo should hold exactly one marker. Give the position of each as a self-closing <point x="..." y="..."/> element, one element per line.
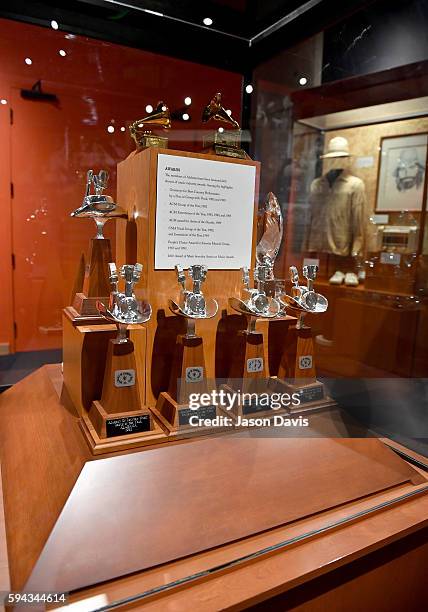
<point x="141" y="129"/>
<point x="225" y="140"/>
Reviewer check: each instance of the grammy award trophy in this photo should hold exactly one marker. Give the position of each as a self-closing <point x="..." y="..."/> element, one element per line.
<point x="141" y="129"/>
<point x="225" y="140"/>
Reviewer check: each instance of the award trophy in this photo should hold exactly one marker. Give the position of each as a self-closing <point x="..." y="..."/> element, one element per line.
<point x="223" y="141"/>
<point x="119" y="412"/>
<point x="297" y="373"/>
<point x="249" y="369"/>
<point x="188" y="374"/>
<point x="100" y="208"/>
<point x="141" y="129"/>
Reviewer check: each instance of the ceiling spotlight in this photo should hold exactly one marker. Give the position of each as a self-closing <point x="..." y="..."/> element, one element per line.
<point x="221" y="130"/>
<point x="185" y="116"/>
<point x="249" y="89"/>
<point x="188" y="101"/>
<point x="303" y="81"/>
<point x="110" y="129"/>
<point x="149" y="108"/>
<point x="54" y="24"/>
<point x="207" y="21"/>
<point x="28" y="61"/>
<point x="123" y="128"/>
<point x="3" y="101"/>
<point x="62" y="53"/>
<point x="229" y="112"/>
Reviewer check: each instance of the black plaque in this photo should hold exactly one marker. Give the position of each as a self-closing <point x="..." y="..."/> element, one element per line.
<point x="250" y="407"/>
<point x="204" y="412"/>
<point x="311" y="394"/>
<point x="123" y="426"/>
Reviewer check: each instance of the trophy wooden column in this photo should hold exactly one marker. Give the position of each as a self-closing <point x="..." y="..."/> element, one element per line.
<point x="249" y="373"/>
<point x="95" y="282"/>
<point x="188" y="375"/>
<point x="119" y="418"/>
<point x="297" y="371"/>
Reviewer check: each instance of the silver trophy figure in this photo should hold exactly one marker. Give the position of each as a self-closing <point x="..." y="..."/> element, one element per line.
<point x="192" y="303"/>
<point x="97" y="205"/>
<point x="124" y="309"/>
<point x="255" y="301"/>
<point x="304" y="299"/>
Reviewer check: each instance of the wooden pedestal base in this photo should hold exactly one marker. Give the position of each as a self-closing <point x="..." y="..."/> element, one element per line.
<point x="297" y="373"/>
<point x="248" y="375"/>
<point x="312" y="396"/>
<point x="95" y="285"/>
<point x="119" y="413"/>
<point x="100" y="429"/>
<point x="188" y="376"/>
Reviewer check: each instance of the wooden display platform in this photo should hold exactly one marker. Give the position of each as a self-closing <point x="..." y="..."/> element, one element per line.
<point x="186" y="505"/>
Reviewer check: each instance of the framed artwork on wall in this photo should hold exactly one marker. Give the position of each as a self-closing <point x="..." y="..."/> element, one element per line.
<point x="402" y="172"/>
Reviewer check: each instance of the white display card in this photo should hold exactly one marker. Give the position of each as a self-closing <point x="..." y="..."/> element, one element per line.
<point x="204" y="213"/>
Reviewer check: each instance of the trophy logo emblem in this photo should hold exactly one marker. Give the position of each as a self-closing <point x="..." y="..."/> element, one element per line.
<point x="255" y="364"/>
<point x="305" y="362"/>
<point x="124" y="378"/>
<point x="194" y="374"/>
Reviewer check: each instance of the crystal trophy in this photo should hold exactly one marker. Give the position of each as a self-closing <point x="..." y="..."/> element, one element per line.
<point x="188" y="374"/>
<point x="99" y="207"/>
<point x="141" y="129"/>
<point x="225" y="140"/>
<point x="120" y="412"/>
<point x="297" y="373"/>
<point x="249" y="368"/>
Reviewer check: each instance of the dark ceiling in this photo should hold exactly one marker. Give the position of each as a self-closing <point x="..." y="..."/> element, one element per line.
<point x="243" y="32"/>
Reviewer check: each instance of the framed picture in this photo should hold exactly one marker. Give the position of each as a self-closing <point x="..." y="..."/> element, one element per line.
<point x="402" y="172"/>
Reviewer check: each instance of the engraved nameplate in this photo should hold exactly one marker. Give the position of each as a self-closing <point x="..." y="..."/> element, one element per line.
<point x="249" y="407"/>
<point x="204" y="412"/>
<point x="123" y="426"/>
<point x="311" y="394"/>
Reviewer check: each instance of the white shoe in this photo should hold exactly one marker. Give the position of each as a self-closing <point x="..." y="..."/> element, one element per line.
<point x="337" y="278"/>
<point x="351" y="279"/>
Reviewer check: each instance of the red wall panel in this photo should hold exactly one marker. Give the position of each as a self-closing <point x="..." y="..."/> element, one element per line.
<point x="49" y="147"/>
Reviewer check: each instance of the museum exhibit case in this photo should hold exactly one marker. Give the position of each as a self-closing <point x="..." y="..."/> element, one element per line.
<point x="230" y="411"/>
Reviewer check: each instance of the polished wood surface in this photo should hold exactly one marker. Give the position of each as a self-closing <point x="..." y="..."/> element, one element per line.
<point x="136" y="192"/>
<point x="42" y="452"/>
<point x="371" y="464"/>
<point x="242" y="585"/>
<point x="225" y="478"/>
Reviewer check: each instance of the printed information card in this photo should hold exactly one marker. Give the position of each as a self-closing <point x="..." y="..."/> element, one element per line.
<point x="204" y="213"/>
